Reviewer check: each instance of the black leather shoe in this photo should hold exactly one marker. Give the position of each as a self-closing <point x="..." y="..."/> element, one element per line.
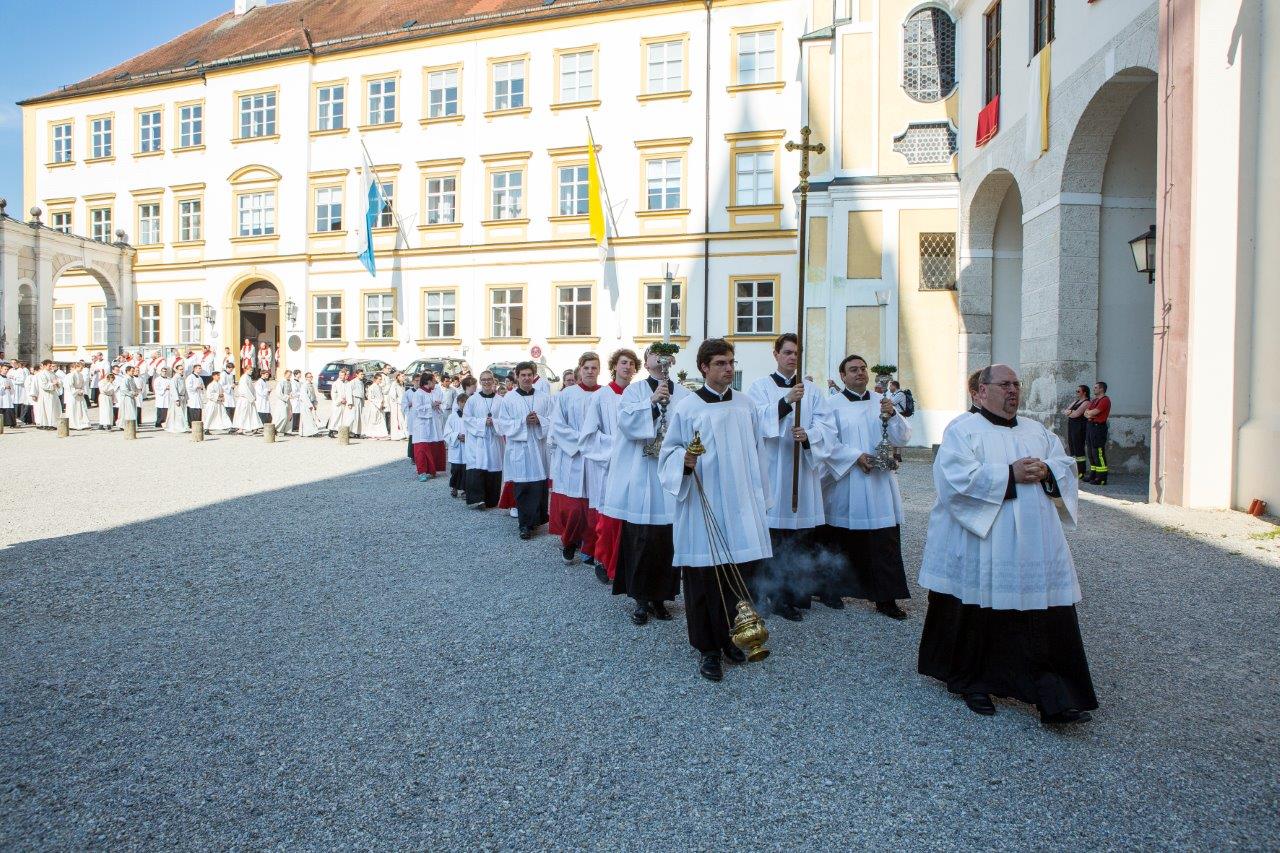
<point x="788" y="612"/>
<point x="735" y="654"/>
<point x="659" y="611"/>
<point x="980" y="703"/>
<point x="602" y="574"/>
<point x="526" y="533"/>
<point x="891" y="609"/>
<point x="710" y="667"/>
<point x="640" y="616"/>
<point x="1066" y="718"/>
<point x="835" y="602"/>
<point x="569" y="553"/>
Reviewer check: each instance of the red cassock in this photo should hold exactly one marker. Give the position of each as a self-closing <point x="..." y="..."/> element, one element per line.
<point x="507" y="500"/>
<point x="608" y="536"/>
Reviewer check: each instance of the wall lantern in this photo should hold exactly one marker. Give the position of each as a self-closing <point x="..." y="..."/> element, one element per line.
<point x="291" y="311"/>
<point x="1144" y="253"/>
<point x="210" y="314"/>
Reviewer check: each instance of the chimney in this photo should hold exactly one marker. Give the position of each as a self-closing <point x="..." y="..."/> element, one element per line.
<point x="243" y="6"/>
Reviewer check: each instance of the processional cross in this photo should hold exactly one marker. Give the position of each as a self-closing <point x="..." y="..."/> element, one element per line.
<point x="804" y="147"/>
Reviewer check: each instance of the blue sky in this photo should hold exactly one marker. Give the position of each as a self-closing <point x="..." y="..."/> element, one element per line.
<point x="44" y="45"/>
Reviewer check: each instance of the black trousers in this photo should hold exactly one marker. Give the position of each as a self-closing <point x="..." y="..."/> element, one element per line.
<point x="22" y="411"/>
<point x="864" y="564"/>
<point x="297" y="421"/>
<point x="1076" y="428"/>
<point x="265" y="417"/>
<point x="1095" y="439"/>
<point x="790" y="576"/>
<point x="457" y="475"/>
<point x="645" y="573"/>
<point x="710" y="605"/>
<point x="483" y="487"/>
<point x="161" y="415"/>
<point x="194" y="414"/>
<point x="93" y="396"/>
<point x="409" y="449"/>
<point x="10" y="419"/>
<point x="531" y="503"/>
<point x="231" y="412"/>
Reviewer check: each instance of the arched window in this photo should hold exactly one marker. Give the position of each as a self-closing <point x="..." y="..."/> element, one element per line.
<point x="929" y="55"/>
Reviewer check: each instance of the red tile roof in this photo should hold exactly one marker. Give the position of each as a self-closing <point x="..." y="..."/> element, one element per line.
<point x="322" y="26"/>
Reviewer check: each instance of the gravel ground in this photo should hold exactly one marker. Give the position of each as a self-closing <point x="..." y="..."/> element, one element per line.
<point x="236" y="645"/>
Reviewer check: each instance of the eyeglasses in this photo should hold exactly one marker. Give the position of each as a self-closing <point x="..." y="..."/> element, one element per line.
<point x="719" y="362"/>
<point x="1007" y="385"/>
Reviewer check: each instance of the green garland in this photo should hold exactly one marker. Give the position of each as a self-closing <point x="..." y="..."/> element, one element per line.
<point x="661" y="348"/>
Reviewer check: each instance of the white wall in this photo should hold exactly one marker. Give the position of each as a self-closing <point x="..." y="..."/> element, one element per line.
<point x="1006" y="282"/>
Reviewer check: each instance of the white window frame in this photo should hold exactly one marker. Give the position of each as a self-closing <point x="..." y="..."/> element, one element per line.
<point x="62" y="142"/>
<point x="379" y="317"/>
<point x="653" y="308"/>
<point x="259" y="213"/>
<point x="750" y="49"/>
<point x="149" y="324"/>
<point x="575" y="201"/>
<point x="570" y="300"/>
<point x="663" y="82"/>
<point x="98" y="325"/>
<point x="190" y="125"/>
<point x="60" y="220"/>
<point x="382" y="94"/>
<point x="505" y="314"/>
<point x="753" y="300"/>
<point x="506" y="94"/>
<point x="442" y="92"/>
<point x="386" y="208"/>
<point x="100" y="225"/>
<point x="506" y="193"/>
<point x="577" y="76"/>
<point x="658" y="173"/>
<point x="102" y="137"/>
<point x="190" y="323"/>
<point x="326" y="312"/>
<point x="190" y="220"/>
<point x="149" y="223"/>
<point x="327" y="210"/>
<point x="150" y="131"/>
<point x="64" y="327"/>
<point x="257" y="115"/>
<point x="759" y="184"/>
<point x="331" y="106"/>
<point x="442" y="189"/>
<point x="440" y="313"/>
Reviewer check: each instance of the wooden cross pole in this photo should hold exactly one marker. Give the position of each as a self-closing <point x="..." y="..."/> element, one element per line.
<point x="804" y="148"/>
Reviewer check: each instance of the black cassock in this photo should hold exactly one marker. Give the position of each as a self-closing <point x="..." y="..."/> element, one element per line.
<point x="644" y="569"/>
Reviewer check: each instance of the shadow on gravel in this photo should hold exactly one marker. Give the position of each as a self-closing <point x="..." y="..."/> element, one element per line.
<point x="362" y="661"/>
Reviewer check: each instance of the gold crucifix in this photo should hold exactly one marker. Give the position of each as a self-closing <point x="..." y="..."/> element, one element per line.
<point x="804" y="147"/>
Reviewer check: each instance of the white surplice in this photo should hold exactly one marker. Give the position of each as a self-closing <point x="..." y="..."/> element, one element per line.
<point x="570" y="475"/>
<point x="394" y="400"/>
<point x="106" y="402"/>
<point x="633" y="492"/>
<point x="483" y="445"/>
<point x="78" y="401"/>
<point x="246" y="418"/>
<point x="48" y="401"/>
<point x="597" y="436"/>
<point x="280" y="404"/>
<point x="778" y="450"/>
<point x="455" y="438"/>
<point x="129" y="393"/>
<point x="214" y="413"/>
<point x="423" y="412"/>
<point x="372" y="423"/>
<point x="525" y="456"/>
<point x="985" y="550"/>
<point x="855" y="500"/>
<point x="734" y="478"/>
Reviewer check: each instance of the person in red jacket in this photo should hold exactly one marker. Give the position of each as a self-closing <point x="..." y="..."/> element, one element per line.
<point x="1095" y="435"/>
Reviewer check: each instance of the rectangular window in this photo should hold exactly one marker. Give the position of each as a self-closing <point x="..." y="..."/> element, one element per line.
<point x="149" y="131"/>
<point x="379" y="316"/>
<point x="573" y="310"/>
<point x="653" y="308"/>
<point x="331" y="107"/>
<point x="98" y="324"/>
<point x="441" y="319"/>
<point x="100" y="137"/>
<point x="991" y="27"/>
<point x="507" y="195"/>
<point x="189" y="320"/>
<point x="63" y="327"/>
<point x="256" y="214"/>
<point x="258" y="115"/>
<point x="508" y="85"/>
<point x="573" y="191"/>
<point x="753" y="307"/>
<point x="190" y="125"/>
<point x="666" y="66"/>
<point x="100" y="224"/>
<point x="441" y="200"/>
<point x="662" y="178"/>
<point x="386" y="213"/>
<point x="382" y="101"/>
<point x="149" y="325"/>
<point x="62" y="221"/>
<point x="1042" y="25"/>
<point x="757" y="57"/>
<point x="576" y="73"/>
<point x="149" y="224"/>
<point x="328" y="318"/>
<point x="62" y="143"/>
<point x="442" y="93"/>
<point x="506" y="312"/>
<point x="754" y="178"/>
<point x="938" y="261"/>
<point x="328" y="209"/>
<point x="190" y="220"/>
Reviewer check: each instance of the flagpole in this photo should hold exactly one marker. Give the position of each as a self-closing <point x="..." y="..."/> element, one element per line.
<point x="382" y="197"/>
<point x="604" y="187"/>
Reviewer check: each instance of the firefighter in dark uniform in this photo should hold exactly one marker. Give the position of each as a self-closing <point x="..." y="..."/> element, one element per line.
<point x="1095" y="436"/>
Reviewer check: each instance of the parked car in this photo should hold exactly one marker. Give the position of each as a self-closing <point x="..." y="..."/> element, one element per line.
<point x="449" y="365"/>
<point x="502" y="369"/>
<point x="327" y="375"/>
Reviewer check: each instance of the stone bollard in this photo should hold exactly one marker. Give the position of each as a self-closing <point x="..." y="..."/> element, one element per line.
<point x="1" y="426"/>
<point x="344" y="435"/>
<point x="269" y="432"/>
<point x="131" y="430"/>
<point x="64" y="427"/>
<point x="197" y="430"/>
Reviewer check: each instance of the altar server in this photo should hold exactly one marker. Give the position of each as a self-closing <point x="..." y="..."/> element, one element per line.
<point x="195" y="382"/>
<point x="49" y="397"/>
<point x="569" y="480"/>
<point x="280" y="396"/>
<point x="176" y="419"/>
<point x="634" y="494"/>
<point x="373" y="420"/>
<point x="246" y="415"/>
<point x="129" y="393"/>
<point x="522" y="419"/>
<point x="356" y="392"/>
<point x="261" y="396"/>
<point x="19" y="375"/>
<point x="396" y="425"/>
<point x="308" y="421"/>
<point x="599" y="428"/>
<point x="107" y="408"/>
<point x="1002" y="584"/>
<point x="424" y="405"/>
<point x="229" y="389"/>
<point x="863" y="505"/>
<point x="7" y="397"/>
<point x="787" y="581"/>
<point x="77" y="384"/>
<point x="162" y="390"/>
<point x="735" y="483"/>
<point x="337" y="402"/>
<point x="483" y="447"/>
<point x="214" y="414"/>
<point x="455" y="439"/>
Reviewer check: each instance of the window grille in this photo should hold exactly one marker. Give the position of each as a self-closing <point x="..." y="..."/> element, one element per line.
<point x="938" y="261"/>
<point x="929" y="55"/>
<point x="930" y="142"/>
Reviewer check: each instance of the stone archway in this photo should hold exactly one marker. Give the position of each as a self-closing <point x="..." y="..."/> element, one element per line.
<point x="25" y="343"/>
<point x="107" y="331"/>
<point x="990" y="279"/>
<point x="254" y="309"/>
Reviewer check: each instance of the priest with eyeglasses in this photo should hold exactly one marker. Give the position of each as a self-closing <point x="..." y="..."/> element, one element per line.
<point x="1002" y="584"/>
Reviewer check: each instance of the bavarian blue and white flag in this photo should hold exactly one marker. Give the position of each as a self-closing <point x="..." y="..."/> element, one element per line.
<point x="373" y="209"/>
